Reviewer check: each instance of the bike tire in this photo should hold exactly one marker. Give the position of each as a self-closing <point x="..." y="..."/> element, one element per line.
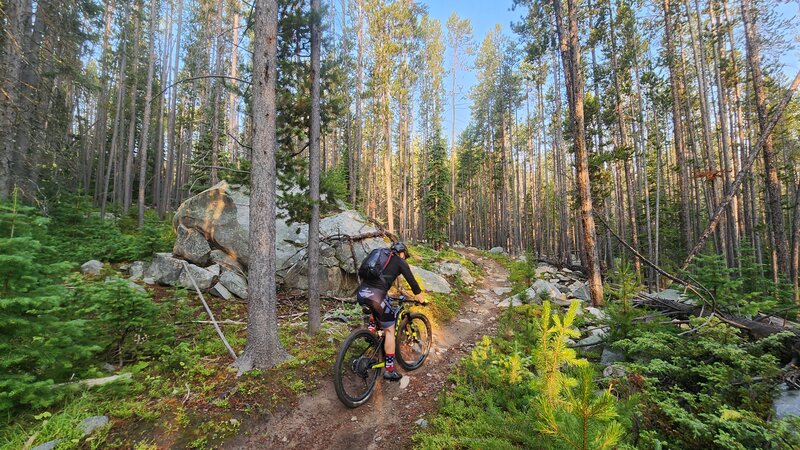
<point x="353" y="377"/>
<point x="413" y="342"/>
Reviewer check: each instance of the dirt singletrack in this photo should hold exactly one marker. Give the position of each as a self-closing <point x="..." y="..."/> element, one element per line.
<point x="388" y="419"/>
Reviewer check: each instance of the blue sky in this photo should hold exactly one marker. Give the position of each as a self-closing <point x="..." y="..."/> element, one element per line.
<point x="483" y="14"/>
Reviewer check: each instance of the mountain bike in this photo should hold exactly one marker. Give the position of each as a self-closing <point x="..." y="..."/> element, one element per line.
<point x="361" y="355"/>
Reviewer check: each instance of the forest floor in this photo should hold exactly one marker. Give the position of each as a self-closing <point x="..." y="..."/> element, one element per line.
<point x="387" y="420"/>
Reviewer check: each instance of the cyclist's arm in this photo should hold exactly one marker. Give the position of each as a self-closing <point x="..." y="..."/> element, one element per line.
<point x="406" y="271"/>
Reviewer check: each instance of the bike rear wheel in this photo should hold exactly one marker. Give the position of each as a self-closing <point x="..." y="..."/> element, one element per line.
<point x="353" y="374"/>
<point x="414" y="339"/>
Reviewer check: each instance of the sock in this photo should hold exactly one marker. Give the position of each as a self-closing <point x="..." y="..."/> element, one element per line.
<point x="390" y="362"/>
<point x="371" y="324"/>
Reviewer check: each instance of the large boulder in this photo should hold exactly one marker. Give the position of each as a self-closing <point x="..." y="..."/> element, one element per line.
<point x="451" y="268"/>
<point x="497" y="250"/>
<point x="222" y="215"/>
<point x="431" y="282"/>
<point x="164" y="269"/>
<point x="191" y="245"/>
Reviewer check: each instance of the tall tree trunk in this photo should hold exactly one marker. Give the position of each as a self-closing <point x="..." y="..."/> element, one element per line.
<point x="625" y="144"/>
<point x="9" y="92"/>
<point x="387" y="161"/>
<point x="263" y="349"/>
<point x="166" y="194"/>
<point x="571" y="58"/>
<point x="215" y="92"/>
<point x="677" y="126"/>
<point x="127" y="188"/>
<point x="26" y="167"/>
<point x="233" y="114"/>
<point x="773" y="191"/>
<point x="117" y="124"/>
<point x="313" y="182"/>
<point x="355" y="159"/>
<point x="144" y="141"/>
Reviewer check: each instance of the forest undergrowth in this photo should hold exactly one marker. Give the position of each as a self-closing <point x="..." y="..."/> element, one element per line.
<point x="177" y="386"/>
<point x="527" y="387"/>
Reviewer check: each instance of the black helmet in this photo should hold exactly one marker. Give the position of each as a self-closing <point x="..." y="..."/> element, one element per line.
<point x="398" y="247"/>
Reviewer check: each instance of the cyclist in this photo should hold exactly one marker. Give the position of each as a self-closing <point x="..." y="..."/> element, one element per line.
<point x="373" y="293"/>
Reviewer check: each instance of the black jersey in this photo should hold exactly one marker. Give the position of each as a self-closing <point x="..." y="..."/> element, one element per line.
<point x="394" y="268"/>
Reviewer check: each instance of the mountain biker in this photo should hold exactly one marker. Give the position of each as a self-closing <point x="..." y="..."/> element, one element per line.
<point x="373" y="293"/>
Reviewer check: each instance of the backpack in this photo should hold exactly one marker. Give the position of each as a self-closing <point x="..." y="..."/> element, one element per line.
<point x="374" y="264"/>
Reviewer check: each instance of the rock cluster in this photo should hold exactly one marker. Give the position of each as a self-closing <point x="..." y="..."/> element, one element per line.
<point x="211" y="248"/>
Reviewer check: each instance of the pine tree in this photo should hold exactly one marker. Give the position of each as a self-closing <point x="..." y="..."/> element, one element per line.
<point x="437" y="203"/>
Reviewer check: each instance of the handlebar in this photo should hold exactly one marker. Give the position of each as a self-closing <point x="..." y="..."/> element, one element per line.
<point x="403" y="299"/>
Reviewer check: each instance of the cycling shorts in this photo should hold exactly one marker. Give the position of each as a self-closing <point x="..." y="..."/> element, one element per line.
<point x="378" y="302"/>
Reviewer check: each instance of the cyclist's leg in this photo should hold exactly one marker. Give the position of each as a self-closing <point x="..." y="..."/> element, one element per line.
<point x="387" y="319"/>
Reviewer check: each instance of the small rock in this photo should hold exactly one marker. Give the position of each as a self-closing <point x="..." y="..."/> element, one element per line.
<point x="404" y="382"/>
<point x="610" y="356"/>
<point x="218" y="290"/>
<point x="149" y="280"/>
<point x="396" y="398"/>
<point x="501" y="290"/>
<point x="544" y="270"/>
<point x="597" y="313"/>
<point x="422" y="423"/>
<point x="49" y="445"/>
<point x="354" y="419"/>
<point x="214" y="268"/>
<point x="614" y="371"/>
<point x="590" y="341"/>
<point x="464" y="320"/>
<point x="202" y="277"/>
<point x="670" y="294"/>
<point x="136" y="270"/>
<point x="285" y="439"/>
<point x="91" y="424"/>
<point x="235" y="283"/>
<point x="91" y="267"/>
<point x="165" y="269"/>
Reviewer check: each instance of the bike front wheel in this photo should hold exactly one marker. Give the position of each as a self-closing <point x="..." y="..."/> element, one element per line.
<point x="414" y="339"/>
<point x="355" y="371"/>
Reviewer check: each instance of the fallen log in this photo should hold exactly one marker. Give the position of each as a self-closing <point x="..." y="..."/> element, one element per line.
<point x="755" y="328"/>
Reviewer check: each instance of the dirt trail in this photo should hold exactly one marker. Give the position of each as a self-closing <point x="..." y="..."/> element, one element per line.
<point x="320" y="420"/>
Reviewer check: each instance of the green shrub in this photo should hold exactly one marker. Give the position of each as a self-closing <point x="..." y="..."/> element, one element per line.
<point x="712" y="389"/>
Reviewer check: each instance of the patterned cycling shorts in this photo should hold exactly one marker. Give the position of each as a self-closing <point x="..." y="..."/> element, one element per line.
<point x="379" y="303"/>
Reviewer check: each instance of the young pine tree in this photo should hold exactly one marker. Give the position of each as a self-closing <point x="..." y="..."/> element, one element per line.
<point x="437" y="203"/>
<point x="40" y="343"/>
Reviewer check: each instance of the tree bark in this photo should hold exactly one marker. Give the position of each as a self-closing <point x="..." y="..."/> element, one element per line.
<point x="166" y="194"/>
<point x="263" y="349"/>
<point x="9" y="92"/>
<point x="127" y="188"/>
<point x="773" y="191"/>
<point x="572" y="67"/>
<point x="314" y="318"/>
<point x="144" y="141"/>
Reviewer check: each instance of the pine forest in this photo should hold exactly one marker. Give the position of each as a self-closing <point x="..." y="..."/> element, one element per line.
<point x="599" y="198"/>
